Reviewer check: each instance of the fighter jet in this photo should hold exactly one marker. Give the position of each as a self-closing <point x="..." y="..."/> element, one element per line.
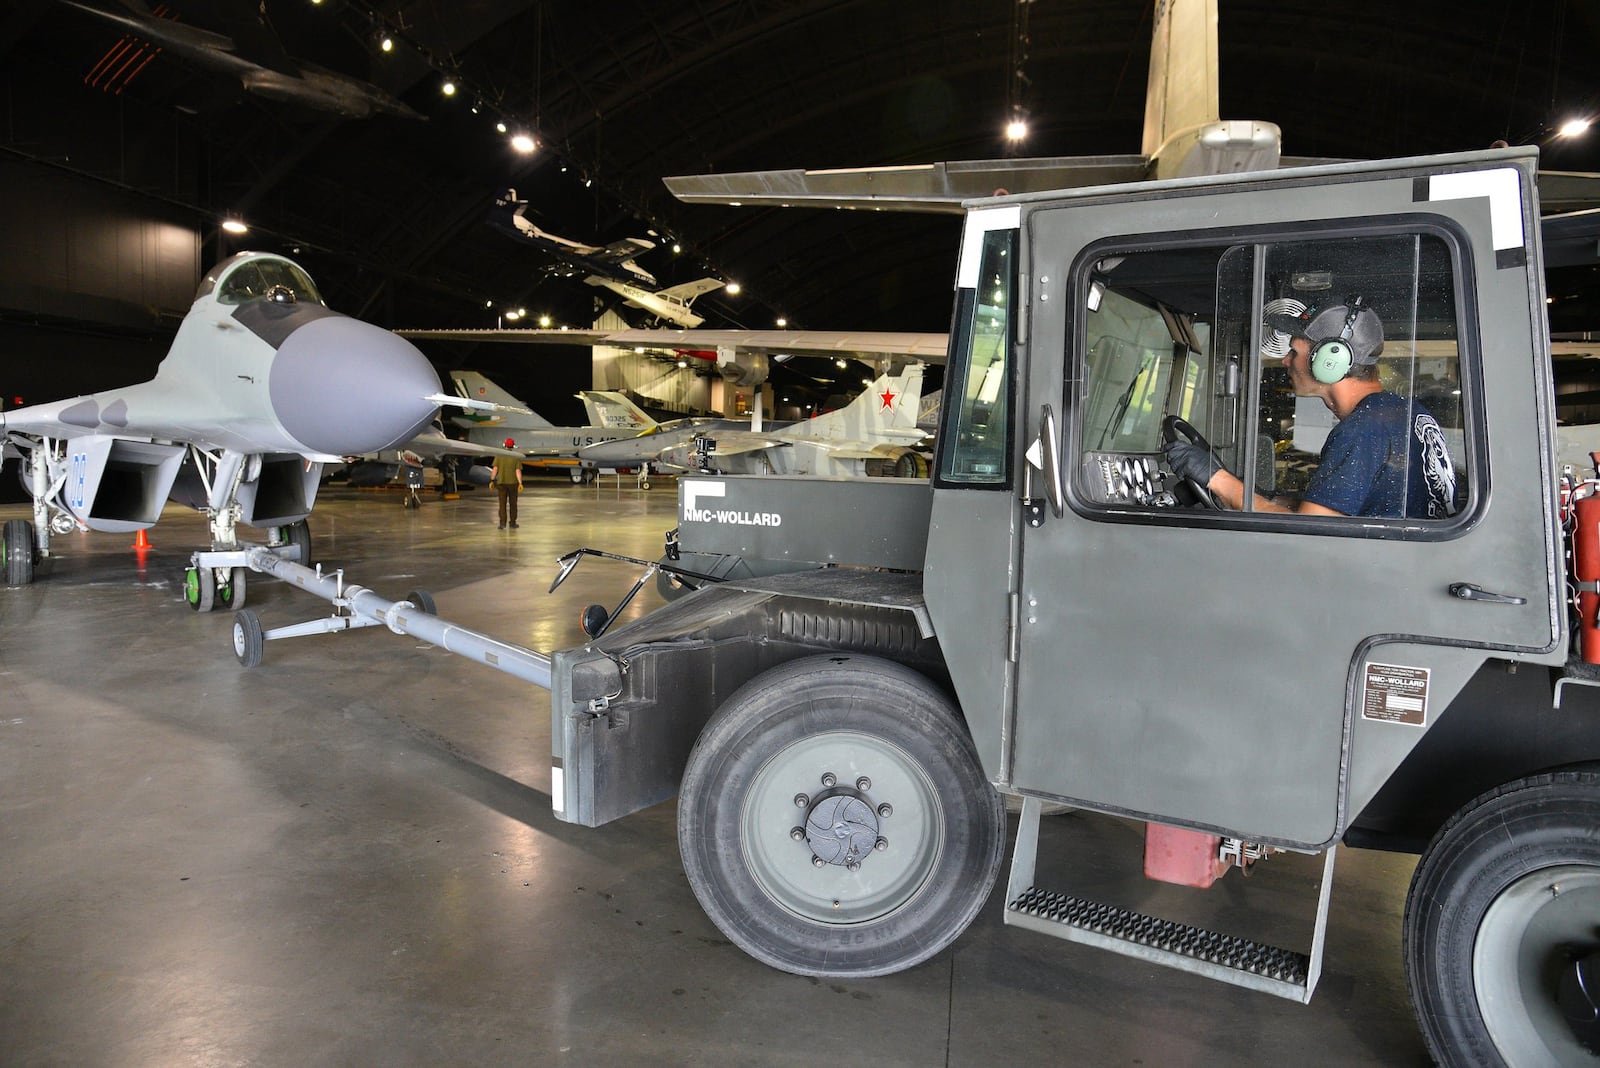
<point x="263" y="68"/>
<point x="540" y="442"/>
<point x="262" y="385"/>
<point x="875" y="434"/>
<point x="610" y="267"/>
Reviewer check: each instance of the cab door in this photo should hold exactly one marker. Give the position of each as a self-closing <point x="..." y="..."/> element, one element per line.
<point x="1251" y="671"/>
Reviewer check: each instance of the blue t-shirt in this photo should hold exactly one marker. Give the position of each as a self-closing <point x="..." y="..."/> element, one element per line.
<point x="1387" y="455"/>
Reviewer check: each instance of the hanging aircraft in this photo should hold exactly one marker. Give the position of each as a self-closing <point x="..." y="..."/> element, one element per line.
<point x="540" y="442"/>
<point x="610" y="267"/>
<point x="253" y="55"/>
<point x="262" y="385"/>
<point x="875" y="434"/>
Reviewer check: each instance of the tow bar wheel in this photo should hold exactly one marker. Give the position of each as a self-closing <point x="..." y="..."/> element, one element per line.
<point x="834" y="819"/>
<point x="1502" y="927"/>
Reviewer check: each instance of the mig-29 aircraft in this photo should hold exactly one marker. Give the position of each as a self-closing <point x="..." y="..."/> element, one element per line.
<point x="262" y="385"/>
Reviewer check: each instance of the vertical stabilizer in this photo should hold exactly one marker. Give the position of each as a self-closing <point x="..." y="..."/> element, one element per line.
<point x="473" y="386"/>
<point x="890" y="404"/>
<point x="1182" y="91"/>
<point x="1182" y="134"/>
<point x="614" y="411"/>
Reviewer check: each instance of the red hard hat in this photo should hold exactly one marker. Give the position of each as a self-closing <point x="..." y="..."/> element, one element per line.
<point x="511" y="442"/>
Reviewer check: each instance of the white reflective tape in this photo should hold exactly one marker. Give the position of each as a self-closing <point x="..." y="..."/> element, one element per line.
<point x="558" y="789"/>
<point x="1503" y="190"/>
<point x="979" y="222"/>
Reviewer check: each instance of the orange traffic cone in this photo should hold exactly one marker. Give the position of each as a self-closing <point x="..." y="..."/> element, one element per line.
<point x="141" y="540"/>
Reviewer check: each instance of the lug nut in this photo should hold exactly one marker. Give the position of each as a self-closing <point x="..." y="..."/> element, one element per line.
<point x="801" y="800"/>
<point x="863" y="784"/>
<point x="818" y="862"/>
<point x="854" y="865"/>
<point x="829" y="779"/>
<point x="886" y="810"/>
<point x="797" y="833"/>
<point x="881" y="844"/>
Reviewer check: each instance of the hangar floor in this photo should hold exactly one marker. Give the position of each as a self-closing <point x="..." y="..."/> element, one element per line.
<point x="347" y="855"/>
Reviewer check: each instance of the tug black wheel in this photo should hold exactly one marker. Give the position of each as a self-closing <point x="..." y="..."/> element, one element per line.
<point x="834" y="819"/>
<point x="423" y="600"/>
<point x="1502" y="926"/>
<point x="248" y="640"/>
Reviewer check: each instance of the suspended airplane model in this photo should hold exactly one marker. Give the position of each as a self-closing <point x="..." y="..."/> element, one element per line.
<point x="255" y="394"/>
<point x="260" y="64"/>
<point x="610" y="267"/>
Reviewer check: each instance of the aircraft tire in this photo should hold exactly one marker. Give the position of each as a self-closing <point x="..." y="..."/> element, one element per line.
<point x="200" y="588"/>
<point x="248" y="641"/>
<point x="577" y="476"/>
<point x="423" y="600"/>
<point x="1503" y="901"/>
<point x="761" y="800"/>
<point x="232" y="593"/>
<point x="299" y="534"/>
<point x="17" y="547"/>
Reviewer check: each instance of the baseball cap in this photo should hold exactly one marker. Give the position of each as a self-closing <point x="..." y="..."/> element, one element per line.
<point x="1320" y="324"/>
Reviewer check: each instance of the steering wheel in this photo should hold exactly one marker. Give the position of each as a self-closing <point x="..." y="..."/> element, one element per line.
<point x="1172" y="427"/>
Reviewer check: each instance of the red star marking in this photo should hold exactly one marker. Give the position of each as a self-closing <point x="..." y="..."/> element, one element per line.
<point x="887" y="397"/>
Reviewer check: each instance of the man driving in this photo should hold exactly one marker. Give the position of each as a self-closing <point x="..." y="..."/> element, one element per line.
<point x="1385" y="456"/>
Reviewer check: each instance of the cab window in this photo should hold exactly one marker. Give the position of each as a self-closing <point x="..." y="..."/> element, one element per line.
<point x="974" y="442"/>
<point x="1212" y="344"/>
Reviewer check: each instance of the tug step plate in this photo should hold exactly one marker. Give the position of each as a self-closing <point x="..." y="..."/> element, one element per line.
<point x="1228" y="958"/>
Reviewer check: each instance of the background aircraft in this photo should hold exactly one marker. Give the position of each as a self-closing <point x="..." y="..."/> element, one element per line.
<point x="262" y="384"/>
<point x="253" y="55"/>
<point x="537" y="440"/>
<point x="610" y="267"/>
<point x="875" y="434"/>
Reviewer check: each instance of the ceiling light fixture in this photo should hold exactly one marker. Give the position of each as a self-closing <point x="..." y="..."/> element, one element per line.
<point x="235" y="226"/>
<point x="733" y="288"/>
<point x="1573" y="128"/>
<point x="523" y="143"/>
<point x="448" y="88"/>
<point x="387" y="44"/>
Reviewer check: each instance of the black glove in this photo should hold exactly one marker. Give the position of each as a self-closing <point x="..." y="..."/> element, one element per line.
<point x="1191" y="461"/>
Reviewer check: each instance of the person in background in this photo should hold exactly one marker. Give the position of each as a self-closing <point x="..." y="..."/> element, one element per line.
<point x="507" y="484"/>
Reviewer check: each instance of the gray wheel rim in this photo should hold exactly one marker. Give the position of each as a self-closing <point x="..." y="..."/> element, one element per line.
<point x="238" y="639"/>
<point x="886" y="880"/>
<point x="1521" y="947"/>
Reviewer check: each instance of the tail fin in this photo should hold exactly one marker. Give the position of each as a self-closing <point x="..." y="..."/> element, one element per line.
<point x="1182" y="133"/>
<point x="475" y="386"/>
<point x="885" y="411"/>
<point x="613" y="410"/>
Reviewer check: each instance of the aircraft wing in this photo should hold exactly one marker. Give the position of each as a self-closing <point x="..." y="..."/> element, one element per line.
<point x="924" y="187"/>
<point x="867" y="345"/>
<point x="941" y="187"/>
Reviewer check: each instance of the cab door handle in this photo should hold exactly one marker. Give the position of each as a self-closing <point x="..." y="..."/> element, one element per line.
<point x="1468" y="592"/>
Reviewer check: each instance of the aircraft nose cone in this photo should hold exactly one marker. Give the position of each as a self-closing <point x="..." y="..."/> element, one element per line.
<point x="344" y="387"/>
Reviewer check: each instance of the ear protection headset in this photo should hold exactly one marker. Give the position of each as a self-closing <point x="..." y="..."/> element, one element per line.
<point x="1332" y="357"/>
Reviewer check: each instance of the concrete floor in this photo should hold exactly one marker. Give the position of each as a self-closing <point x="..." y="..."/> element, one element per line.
<point x="347" y="856"/>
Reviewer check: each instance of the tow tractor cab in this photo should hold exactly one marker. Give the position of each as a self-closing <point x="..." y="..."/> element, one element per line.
<point x="1055" y="615"/>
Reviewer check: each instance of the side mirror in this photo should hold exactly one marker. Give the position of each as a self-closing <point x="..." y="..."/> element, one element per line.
<point x="1044" y="455"/>
<point x="567" y="562"/>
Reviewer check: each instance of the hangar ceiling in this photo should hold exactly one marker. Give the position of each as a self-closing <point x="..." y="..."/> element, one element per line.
<point x="388" y="211"/>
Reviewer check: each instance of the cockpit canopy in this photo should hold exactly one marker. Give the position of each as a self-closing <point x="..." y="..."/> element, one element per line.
<point x="251" y="276"/>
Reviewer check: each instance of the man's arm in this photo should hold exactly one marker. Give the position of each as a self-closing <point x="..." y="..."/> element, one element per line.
<point x="1230" y="491"/>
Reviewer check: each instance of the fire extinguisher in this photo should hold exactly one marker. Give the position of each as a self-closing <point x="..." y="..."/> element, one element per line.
<point x="1586" y="569"/>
